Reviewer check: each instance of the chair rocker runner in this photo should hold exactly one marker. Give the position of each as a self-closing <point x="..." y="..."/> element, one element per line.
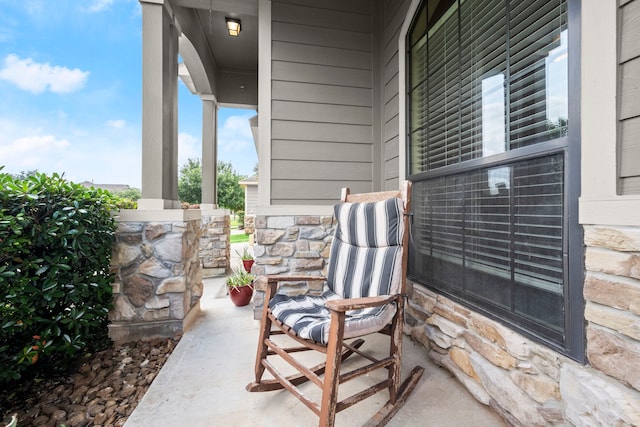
<point x="363" y="294"/>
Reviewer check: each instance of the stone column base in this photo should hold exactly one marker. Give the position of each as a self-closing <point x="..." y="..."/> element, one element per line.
<point x="158" y="277"/>
<point x="146" y="331"/>
<point x="214" y="249"/>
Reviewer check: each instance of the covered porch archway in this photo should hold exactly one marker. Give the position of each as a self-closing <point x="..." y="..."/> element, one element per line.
<point x="221" y="69"/>
<point x="157" y="260"/>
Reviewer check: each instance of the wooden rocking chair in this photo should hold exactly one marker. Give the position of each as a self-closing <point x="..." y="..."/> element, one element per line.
<point x="363" y="294"/>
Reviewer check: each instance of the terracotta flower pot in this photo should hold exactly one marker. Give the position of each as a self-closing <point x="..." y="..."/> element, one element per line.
<point x="241" y="295"/>
<point x="247" y="263"/>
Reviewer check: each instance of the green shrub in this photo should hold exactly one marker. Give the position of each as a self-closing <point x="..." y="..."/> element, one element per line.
<point x="124" y="202"/>
<point x="128" y="199"/>
<point x="56" y="239"/>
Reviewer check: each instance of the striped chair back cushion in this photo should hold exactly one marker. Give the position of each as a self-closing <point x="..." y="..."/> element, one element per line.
<point x="366" y="252"/>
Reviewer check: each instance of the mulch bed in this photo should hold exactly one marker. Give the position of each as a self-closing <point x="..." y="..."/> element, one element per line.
<point x="103" y="389"/>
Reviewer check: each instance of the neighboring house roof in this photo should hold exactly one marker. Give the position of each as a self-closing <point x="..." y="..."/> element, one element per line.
<point x="114" y="188"/>
<point x="252" y="180"/>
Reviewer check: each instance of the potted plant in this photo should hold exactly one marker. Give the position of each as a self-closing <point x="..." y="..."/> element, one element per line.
<point x="247" y="259"/>
<point x="240" y="286"/>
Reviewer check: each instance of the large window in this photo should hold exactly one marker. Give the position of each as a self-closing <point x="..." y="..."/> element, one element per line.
<point x="489" y="154"/>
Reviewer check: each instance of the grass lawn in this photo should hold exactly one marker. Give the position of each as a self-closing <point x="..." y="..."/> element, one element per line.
<point x="239" y="238"/>
<point x="235" y="221"/>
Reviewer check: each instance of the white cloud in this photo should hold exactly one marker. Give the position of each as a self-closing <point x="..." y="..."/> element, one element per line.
<point x="189" y="147"/>
<point x="235" y="142"/>
<point x="116" y="124"/>
<point x="99" y="6"/>
<point x="78" y="153"/>
<point x="30" y="152"/>
<point x="235" y="133"/>
<point x="37" y="77"/>
<point x="103" y="162"/>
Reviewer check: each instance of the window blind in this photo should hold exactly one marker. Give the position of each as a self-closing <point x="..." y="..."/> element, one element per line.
<point x="496" y="235"/>
<point x="538" y="72"/>
<point x="465" y="49"/>
<point x="488" y="79"/>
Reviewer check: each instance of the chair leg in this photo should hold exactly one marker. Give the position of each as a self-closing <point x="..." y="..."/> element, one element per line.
<point x="395" y="349"/>
<point x="332" y="370"/>
<point x="265" y="332"/>
<point x="382" y="417"/>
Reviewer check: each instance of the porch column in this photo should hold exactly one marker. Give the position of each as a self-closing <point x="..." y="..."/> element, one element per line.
<point x="209" y="152"/>
<point x="159" y="108"/>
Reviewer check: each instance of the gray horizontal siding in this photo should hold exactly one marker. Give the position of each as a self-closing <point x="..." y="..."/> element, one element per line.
<point x="391" y="50"/>
<point x="630" y="185"/>
<point x="321" y="55"/>
<point x="356" y="6"/>
<point x="630" y="150"/>
<point x="391" y="88"/>
<point x="629" y="97"/>
<point x="315" y="131"/>
<point x="318" y="36"/>
<point x="391" y="69"/>
<point x="392" y="184"/>
<point x="630" y="32"/>
<point x="391" y="167"/>
<point x="320" y="74"/>
<point x="324" y="94"/>
<point x="391" y="130"/>
<point x="309" y="193"/>
<point x="393" y="22"/>
<point x="390" y="152"/>
<point x="391" y="108"/>
<point x="323" y="113"/>
<point x="319" y="170"/>
<point x="322" y="106"/>
<point x="395" y="12"/>
<point x="315" y="150"/>
<point x="630" y="89"/>
<point x="316" y="14"/>
<point x="251" y="199"/>
<point x="391" y="7"/>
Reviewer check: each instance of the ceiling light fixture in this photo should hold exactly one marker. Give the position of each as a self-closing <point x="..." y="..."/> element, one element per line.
<point x="233" y="26"/>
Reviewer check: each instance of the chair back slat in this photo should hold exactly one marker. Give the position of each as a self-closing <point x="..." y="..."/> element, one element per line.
<point x="371" y="197"/>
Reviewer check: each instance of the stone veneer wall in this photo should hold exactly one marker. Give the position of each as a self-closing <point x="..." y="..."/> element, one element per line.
<point x="158" y="279"/>
<point x="291" y="245"/>
<point x="214" y="248"/>
<point x="249" y="224"/>
<point x="531" y="385"/>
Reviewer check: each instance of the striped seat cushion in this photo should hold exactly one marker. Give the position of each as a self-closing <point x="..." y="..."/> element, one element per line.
<point x="310" y="320"/>
<point x="365" y="260"/>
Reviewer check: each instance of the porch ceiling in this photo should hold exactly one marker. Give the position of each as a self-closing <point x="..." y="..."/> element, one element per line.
<point x="205" y="20"/>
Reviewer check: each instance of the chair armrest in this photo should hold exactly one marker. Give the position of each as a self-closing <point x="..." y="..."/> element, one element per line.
<point x="273" y="280"/>
<point x="344" y="305"/>
<point x="286" y="278"/>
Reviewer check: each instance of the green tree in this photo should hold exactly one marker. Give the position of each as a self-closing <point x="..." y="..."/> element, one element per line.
<point x="130" y="193"/>
<point x="190" y="182"/>
<point x="230" y="192"/>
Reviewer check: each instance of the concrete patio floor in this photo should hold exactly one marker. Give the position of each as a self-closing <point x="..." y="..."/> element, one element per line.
<point x="203" y="382"/>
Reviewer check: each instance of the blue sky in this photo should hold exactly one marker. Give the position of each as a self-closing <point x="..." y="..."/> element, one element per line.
<point x="71" y="97"/>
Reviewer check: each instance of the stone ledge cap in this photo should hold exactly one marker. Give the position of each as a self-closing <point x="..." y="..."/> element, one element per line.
<point x="164" y="215"/>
